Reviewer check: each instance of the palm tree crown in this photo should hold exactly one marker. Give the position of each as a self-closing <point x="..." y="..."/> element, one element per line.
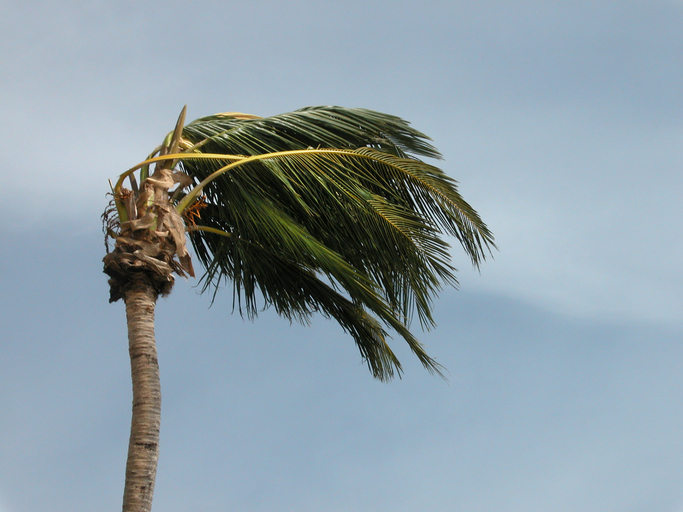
<point x="325" y="209"/>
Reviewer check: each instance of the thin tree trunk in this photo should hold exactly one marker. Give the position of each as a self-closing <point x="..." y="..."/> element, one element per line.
<point x="143" y="448"/>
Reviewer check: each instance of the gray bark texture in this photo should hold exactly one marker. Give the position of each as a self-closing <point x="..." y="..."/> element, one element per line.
<point x="143" y="449"/>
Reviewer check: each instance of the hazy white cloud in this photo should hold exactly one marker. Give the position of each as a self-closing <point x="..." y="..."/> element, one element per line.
<point x="585" y="210"/>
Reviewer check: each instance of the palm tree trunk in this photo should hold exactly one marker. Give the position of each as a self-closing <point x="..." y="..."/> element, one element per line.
<point x="143" y="448"/>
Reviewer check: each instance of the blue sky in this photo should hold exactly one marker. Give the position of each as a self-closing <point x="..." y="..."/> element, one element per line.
<point x="562" y="123"/>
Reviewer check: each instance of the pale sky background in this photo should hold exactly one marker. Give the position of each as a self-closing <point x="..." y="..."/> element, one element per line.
<point x="562" y="121"/>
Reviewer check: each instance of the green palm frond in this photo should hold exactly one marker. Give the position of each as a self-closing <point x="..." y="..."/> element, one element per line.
<point x="327" y="127"/>
<point x="327" y="210"/>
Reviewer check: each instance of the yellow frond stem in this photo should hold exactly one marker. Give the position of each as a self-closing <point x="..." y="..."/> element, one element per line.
<point x="209" y="229"/>
<point x="238" y="115"/>
<point x="174" y="156"/>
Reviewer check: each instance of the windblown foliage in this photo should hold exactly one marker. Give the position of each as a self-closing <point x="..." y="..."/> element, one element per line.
<point x="327" y="210"/>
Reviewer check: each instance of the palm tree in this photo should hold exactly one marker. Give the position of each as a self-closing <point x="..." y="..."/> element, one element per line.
<point x="324" y="209"/>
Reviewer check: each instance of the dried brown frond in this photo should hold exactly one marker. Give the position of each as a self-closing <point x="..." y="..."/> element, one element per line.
<point x="110" y="221"/>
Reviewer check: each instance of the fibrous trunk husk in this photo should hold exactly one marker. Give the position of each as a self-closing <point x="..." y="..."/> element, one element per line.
<point x="148" y="242"/>
<point x="132" y="259"/>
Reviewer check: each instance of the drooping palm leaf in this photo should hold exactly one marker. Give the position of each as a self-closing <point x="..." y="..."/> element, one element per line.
<point x="366" y="218"/>
<point x="325" y="210"/>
